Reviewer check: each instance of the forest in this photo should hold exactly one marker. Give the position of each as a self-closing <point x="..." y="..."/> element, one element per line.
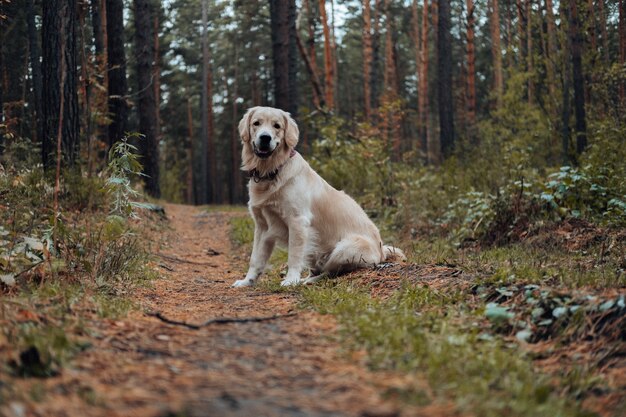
<point x="486" y="138"/>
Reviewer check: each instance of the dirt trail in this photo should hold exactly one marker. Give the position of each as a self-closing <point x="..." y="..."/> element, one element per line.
<point x="141" y="366"/>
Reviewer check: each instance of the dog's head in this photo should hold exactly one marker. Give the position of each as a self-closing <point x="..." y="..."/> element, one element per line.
<point x="266" y="130"/>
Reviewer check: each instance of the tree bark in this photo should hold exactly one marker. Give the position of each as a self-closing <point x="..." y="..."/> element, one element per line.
<point x="328" y="60"/>
<point x="2" y="36"/>
<point x="551" y="53"/>
<point x="293" y="60"/>
<point x="284" y="46"/>
<point x="35" y="67"/>
<point x="423" y="82"/>
<point x="622" y="47"/>
<point x="578" y="77"/>
<point x="529" y="52"/>
<point x="146" y="106"/>
<point x="604" y="32"/>
<point x="116" y="65"/>
<point x="98" y="18"/>
<point x="444" y="79"/>
<point x="235" y="176"/>
<point x="190" y="176"/>
<point x="496" y="50"/>
<point x="310" y="57"/>
<point x="471" y="64"/>
<point x="375" y="72"/>
<point x="59" y="51"/>
<point x="367" y="58"/>
<point x="318" y="92"/>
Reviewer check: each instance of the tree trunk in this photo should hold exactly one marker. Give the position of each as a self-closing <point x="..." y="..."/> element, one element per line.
<point x="529" y="52"/>
<point x="423" y="82"/>
<point x="367" y="58"/>
<point x="310" y="58"/>
<point x="35" y="67"/>
<point x="496" y="50"/>
<point x="622" y="47"/>
<point x="333" y="48"/>
<point x="98" y="28"/>
<point x="604" y="32"/>
<point x="2" y="36"/>
<point x="59" y="51"/>
<point x="328" y="60"/>
<point x="292" y="106"/>
<point x="284" y="46"/>
<point x="116" y="64"/>
<point x="375" y="72"/>
<point x="157" y="70"/>
<point x="190" y="176"/>
<point x="318" y="93"/>
<point x="208" y="171"/>
<point x="444" y="79"/>
<point x="578" y="77"/>
<point x="551" y="53"/>
<point x="471" y="65"/>
<point x="146" y="106"/>
<point x="235" y="177"/>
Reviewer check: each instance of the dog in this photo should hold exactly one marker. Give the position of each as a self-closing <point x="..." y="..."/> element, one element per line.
<point x="324" y="230"/>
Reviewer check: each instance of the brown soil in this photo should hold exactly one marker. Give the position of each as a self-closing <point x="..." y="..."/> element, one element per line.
<point x="141" y="366"/>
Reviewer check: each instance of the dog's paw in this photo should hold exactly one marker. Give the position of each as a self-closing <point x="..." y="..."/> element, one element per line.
<point x="290" y="282"/>
<point x="243" y="283"/>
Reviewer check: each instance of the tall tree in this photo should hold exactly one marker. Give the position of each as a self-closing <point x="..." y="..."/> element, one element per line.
<point x="551" y="52"/>
<point x="328" y="60"/>
<point x="116" y="68"/>
<point x="622" y="47"/>
<point x="2" y="36"/>
<point x="423" y="82"/>
<point x="367" y="58"/>
<point x="293" y="58"/>
<point x="471" y="64"/>
<point x="98" y="22"/>
<point x="578" y="78"/>
<point x="59" y="68"/>
<point x="530" y="64"/>
<point x="444" y="78"/>
<point x="146" y="106"/>
<point x="282" y="14"/>
<point x="204" y="192"/>
<point x="35" y="66"/>
<point x="496" y="49"/>
<point x="604" y="32"/>
<point x="309" y="56"/>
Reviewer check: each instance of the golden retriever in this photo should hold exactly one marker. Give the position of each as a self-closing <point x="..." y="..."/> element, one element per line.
<point x="324" y="230"/>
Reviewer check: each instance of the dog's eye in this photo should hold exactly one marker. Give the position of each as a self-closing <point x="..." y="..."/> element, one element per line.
<point x="276" y="126"/>
<point x="256" y="123"/>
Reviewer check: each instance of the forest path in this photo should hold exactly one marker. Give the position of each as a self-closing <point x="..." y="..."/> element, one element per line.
<point x="142" y="366"/>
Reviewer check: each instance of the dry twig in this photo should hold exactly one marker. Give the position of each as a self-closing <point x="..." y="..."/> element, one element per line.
<point x="218" y="320"/>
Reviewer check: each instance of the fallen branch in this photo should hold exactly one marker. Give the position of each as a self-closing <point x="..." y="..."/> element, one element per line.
<point x="218" y="320"/>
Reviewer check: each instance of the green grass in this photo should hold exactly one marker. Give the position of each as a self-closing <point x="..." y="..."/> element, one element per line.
<point x="241" y="230"/>
<point x="436" y="334"/>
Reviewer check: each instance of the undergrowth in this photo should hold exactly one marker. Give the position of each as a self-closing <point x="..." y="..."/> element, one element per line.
<point x="419" y="329"/>
<point x="53" y="272"/>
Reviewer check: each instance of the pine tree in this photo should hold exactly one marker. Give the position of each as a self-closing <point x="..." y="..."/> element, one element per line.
<point x="146" y="106"/>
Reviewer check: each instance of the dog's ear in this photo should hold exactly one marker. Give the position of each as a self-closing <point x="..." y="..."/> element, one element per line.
<point x="244" y="125"/>
<point x="292" y="133"/>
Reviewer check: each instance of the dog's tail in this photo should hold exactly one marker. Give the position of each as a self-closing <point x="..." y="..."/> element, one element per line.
<point x="393" y="254"/>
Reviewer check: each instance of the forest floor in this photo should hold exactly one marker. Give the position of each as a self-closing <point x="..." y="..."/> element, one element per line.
<point x="142" y="366"/>
<point x="400" y="340"/>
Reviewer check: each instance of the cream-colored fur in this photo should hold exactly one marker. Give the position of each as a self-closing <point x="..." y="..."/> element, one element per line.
<point x="324" y="230"/>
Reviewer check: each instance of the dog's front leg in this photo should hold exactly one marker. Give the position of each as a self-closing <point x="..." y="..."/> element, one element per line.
<point x="298" y="238"/>
<point x="261" y="252"/>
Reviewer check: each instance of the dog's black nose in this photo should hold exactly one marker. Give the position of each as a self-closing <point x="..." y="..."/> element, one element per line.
<point x="265" y="141"/>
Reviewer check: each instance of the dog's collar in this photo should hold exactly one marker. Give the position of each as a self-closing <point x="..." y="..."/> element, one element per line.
<point x="271" y="176"/>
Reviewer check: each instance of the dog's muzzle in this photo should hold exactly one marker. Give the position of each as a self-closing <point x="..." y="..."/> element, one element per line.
<point x="264" y="149"/>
